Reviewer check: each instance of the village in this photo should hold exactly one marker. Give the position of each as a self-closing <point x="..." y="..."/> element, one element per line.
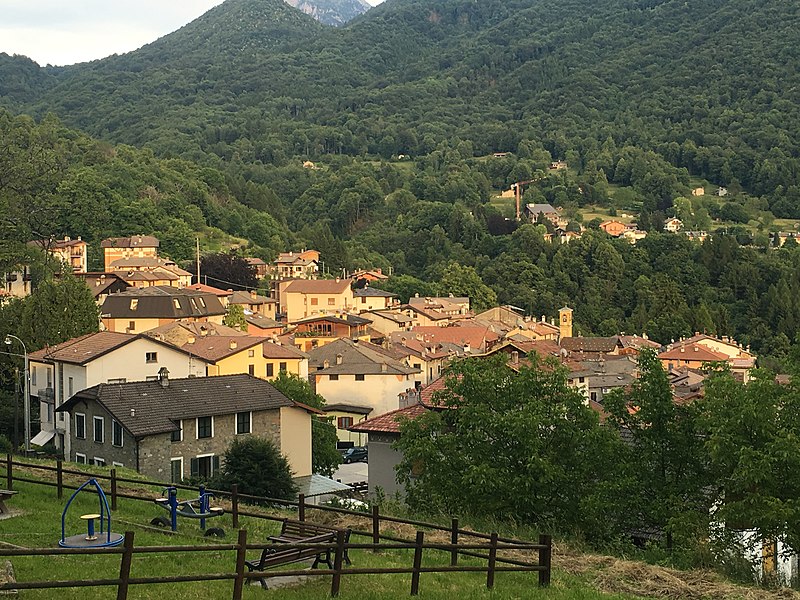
<point x="165" y="385"/>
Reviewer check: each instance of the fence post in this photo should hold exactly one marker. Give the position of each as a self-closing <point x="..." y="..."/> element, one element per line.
<point x="337" y="563"/>
<point x="301" y="507"/>
<point x="376" y="525"/>
<point x="113" y="489"/>
<point x="241" y="555"/>
<point x="125" y="567"/>
<point x="545" y="555"/>
<point x="235" y="505"/>
<point x="492" y="561"/>
<point x="60" y="479"/>
<point x="9" y="472"/>
<point x="417" y="563"/>
<point x="454" y="541"/>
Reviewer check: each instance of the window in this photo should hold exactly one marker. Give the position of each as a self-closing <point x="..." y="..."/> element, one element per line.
<point x="176" y="469"/>
<point x="204" y="466"/>
<point x="333" y="377"/>
<point x="80" y="458"/>
<point x="177" y="435"/>
<point x="416" y="365"/>
<point x="593" y="396"/>
<point x="282" y="367"/>
<point x="176" y="303"/>
<point x="99" y="427"/>
<point x="360" y="377"/>
<point x="201" y="302"/>
<point x="331" y="301"/>
<point x="363" y="299"/>
<point x="205" y="427"/>
<point x="80" y="426"/>
<point x="49" y="377"/>
<point x="581" y="379"/>
<point x="251" y="353"/>
<point x="270" y="370"/>
<point x="33" y="376"/>
<point x="345" y="422"/>
<point x="70" y="386"/>
<point x="99" y="462"/>
<point x="116" y="434"/>
<point x="131" y="325"/>
<point x="134" y="304"/>
<point x="151" y="357"/>
<point x="314" y="301"/>
<point x="251" y="369"/>
<point x="243" y="422"/>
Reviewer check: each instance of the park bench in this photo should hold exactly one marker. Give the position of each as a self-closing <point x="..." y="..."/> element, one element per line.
<point x="5" y="495"/>
<point x="296" y="531"/>
<point x="276" y="556"/>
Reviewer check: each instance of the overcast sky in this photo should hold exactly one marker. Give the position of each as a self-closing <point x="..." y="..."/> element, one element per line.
<point x="63" y="32"/>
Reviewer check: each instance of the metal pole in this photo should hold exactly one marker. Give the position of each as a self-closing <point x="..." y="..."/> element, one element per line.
<point x="27" y="391"/>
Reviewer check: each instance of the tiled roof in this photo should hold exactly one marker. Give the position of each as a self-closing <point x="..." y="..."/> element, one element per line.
<point x="154" y="275"/>
<point x="635" y="341"/>
<point x="351" y="408"/>
<point x="147" y="408"/>
<point x="136" y="241"/>
<point x="179" y="332"/>
<point x="589" y="344"/>
<point x="83" y="349"/>
<point x="318" y="286"/>
<point x="262" y="322"/>
<point x="255" y="262"/>
<point x="240" y="297"/>
<point x="99" y="283"/>
<point x="692" y="351"/>
<point x="218" y="347"/>
<point x="344" y="319"/>
<point x="389" y="422"/>
<point x="272" y="350"/>
<point x="160" y="302"/>
<point x="208" y="289"/>
<point x="369" y="292"/>
<point x="391" y="315"/>
<point x="360" y="358"/>
<point x="474" y="336"/>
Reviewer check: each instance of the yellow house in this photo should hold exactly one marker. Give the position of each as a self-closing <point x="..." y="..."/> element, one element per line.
<point x="303" y="298"/>
<point x="368" y="298"/>
<point x="344" y="417"/>
<point x="232" y="355"/>
<point x="137" y="246"/>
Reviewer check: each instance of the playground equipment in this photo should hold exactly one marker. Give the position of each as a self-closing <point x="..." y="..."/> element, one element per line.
<point x="91" y="539"/>
<point x="197" y="508"/>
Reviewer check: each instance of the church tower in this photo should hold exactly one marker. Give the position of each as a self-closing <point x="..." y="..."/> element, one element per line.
<point x="565" y="323"/>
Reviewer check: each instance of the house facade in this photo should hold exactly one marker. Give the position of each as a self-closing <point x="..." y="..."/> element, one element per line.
<point x="137" y="246"/>
<point x="303" y="298"/>
<point x="181" y="428"/>
<point x="58" y="372"/>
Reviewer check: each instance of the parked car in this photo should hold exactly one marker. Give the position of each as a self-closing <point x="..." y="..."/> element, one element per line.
<point x="355" y="454"/>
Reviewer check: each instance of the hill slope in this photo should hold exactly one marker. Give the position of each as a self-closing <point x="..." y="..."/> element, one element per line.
<point x="331" y="12"/>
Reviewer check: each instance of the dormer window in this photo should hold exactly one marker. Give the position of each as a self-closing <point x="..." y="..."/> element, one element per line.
<point x="176" y="303"/>
<point x="134" y="303"/>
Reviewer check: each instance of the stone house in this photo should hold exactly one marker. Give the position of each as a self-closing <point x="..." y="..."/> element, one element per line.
<point x="181" y="428"/>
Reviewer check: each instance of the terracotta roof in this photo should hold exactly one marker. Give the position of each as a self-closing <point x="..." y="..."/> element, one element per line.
<point x="352" y="408"/>
<point x="318" y="286"/>
<point x="83" y="349"/>
<point x="255" y="262"/>
<point x="218" y="347"/>
<point x="692" y="351"/>
<point x="635" y="341"/>
<point x="148" y="408"/>
<point x="136" y="241"/>
<point x="273" y="350"/>
<point x="475" y="336"/>
<point x="201" y="287"/>
<point x="389" y="422"/>
<point x="178" y="333"/>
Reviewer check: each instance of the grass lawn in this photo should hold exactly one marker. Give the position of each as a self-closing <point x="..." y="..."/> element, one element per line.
<point x="37" y="523"/>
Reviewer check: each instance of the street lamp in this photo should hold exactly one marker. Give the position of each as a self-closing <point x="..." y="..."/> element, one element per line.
<point x="27" y="392"/>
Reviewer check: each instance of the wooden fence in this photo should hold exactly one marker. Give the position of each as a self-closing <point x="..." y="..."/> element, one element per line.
<point x="487" y="550"/>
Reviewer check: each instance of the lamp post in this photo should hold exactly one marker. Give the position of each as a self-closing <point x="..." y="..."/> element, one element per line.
<point x="27" y="390"/>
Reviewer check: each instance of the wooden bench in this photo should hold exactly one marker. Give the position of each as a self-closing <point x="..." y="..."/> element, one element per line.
<point x="5" y="495"/>
<point x="276" y="556"/>
<point x="297" y="531"/>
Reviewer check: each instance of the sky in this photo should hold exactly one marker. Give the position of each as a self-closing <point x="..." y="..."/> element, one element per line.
<point x="64" y="32"/>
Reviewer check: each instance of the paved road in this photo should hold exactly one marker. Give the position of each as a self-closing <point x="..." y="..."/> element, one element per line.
<point x="352" y="473"/>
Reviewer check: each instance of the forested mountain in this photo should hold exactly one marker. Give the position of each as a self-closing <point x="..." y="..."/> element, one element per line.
<point x="331" y="12"/>
<point x="639" y="97"/>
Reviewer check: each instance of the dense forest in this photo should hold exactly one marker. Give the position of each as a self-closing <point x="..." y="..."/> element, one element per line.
<point x="205" y="132"/>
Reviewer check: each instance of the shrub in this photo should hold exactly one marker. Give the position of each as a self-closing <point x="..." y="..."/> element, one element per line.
<point x="258" y="467"/>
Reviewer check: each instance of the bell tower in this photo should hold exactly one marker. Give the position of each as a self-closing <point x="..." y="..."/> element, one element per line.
<point x="565" y="323"/>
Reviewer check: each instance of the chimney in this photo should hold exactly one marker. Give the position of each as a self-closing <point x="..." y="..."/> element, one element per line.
<point x="67" y="238"/>
<point x="379" y="271"/>
<point x="339" y="359"/>
<point x="384" y="367"/>
<point x="253" y="294"/>
<point x="337" y="280"/>
<point x="191" y="339"/>
<point x="326" y="364"/>
<point x="163" y="377"/>
<point x="133" y="412"/>
<point x="233" y="344"/>
<point x="683" y="349"/>
<point x="696" y="349"/>
<point x="515" y="356"/>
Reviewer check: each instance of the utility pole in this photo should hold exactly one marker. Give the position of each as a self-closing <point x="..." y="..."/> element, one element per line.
<point x="197" y="241"/>
<point x="27" y="392"/>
